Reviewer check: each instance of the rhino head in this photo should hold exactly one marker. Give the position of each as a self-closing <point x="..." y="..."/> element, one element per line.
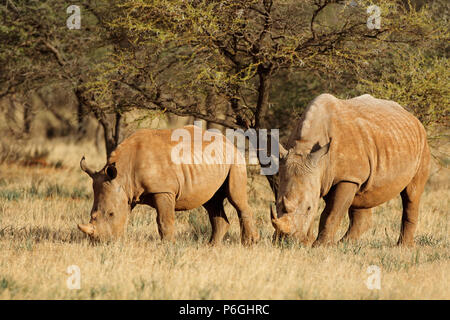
<point x="111" y="207"/>
<point x="299" y="193"/>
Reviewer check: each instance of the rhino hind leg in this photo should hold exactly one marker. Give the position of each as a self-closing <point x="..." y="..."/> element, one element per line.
<point x="411" y="200"/>
<point x="217" y="217"/>
<point x="360" y="222"/>
<point x="237" y="195"/>
<point x="409" y="220"/>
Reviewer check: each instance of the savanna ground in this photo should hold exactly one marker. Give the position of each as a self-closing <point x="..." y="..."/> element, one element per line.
<point x="42" y="202"/>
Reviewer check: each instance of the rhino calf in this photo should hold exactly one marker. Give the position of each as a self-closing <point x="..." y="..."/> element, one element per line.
<point x="142" y="171"/>
<point x="355" y="154"/>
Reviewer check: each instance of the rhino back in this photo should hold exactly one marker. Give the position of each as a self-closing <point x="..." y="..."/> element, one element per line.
<point x="146" y="159"/>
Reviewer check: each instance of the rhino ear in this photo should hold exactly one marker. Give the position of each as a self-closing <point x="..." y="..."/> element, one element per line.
<point x="111" y="171"/>
<point x="315" y="156"/>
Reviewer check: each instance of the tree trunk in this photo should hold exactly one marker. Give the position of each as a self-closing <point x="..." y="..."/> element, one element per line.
<point x="27" y="117"/>
<point x="263" y="97"/>
<point x="260" y="123"/>
<point x="81" y="121"/>
<point x="111" y="133"/>
<point x="274" y="183"/>
<point x="111" y="129"/>
<point x="234" y="103"/>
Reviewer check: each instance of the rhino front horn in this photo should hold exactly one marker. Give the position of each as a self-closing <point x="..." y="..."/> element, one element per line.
<point x="280" y="224"/>
<point x="86" y="228"/>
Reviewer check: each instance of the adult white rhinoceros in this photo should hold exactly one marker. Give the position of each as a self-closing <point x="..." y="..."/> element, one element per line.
<point x="355" y="154"/>
<point x="143" y="170"/>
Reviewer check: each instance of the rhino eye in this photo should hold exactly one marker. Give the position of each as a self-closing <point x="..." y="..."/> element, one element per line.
<point x="309" y="208"/>
<point x="111" y="214"/>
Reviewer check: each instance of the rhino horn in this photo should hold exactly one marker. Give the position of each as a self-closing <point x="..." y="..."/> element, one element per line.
<point x="283" y="151"/>
<point x="86" y="228"/>
<point x="85" y="168"/>
<point x="272" y="213"/>
<point x="280" y="224"/>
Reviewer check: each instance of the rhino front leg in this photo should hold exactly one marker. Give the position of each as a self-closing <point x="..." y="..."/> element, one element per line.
<point x="360" y="221"/>
<point x="338" y="201"/>
<point x="165" y="218"/>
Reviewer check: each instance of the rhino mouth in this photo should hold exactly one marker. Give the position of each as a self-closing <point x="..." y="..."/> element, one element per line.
<point x="285" y="228"/>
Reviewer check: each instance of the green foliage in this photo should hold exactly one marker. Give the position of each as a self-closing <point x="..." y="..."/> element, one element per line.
<point x="6" y="283"/>
<point x="177" y="54"/>
<point x="238" y="63"/>
<point x="417" y="81"/>
<point x="10" y="195"/>
<point x="37" y="48"/>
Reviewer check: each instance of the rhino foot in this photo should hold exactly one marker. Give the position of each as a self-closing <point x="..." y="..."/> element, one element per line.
<point x="250" y="239"/>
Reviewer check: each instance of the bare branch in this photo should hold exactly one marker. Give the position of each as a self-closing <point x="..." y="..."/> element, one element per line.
<point x="55" y="51"/>
<point x="174" y="107"/>
<point x="316" y="12"/>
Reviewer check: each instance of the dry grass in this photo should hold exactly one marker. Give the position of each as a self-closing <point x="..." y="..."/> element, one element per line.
<point x="40" y="207"/>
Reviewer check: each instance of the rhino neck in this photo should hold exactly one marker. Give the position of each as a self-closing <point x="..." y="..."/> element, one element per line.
<point x="122" y="159"/>
<point x="326" y="175"/>
<point x="315" y="127"/>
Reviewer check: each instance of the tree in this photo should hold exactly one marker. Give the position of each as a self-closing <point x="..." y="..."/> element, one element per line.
<point x="419" y="82"/>
<point x="38" y="50"/>
<point x="175" y="53"/>
<point x="184" y="56"/>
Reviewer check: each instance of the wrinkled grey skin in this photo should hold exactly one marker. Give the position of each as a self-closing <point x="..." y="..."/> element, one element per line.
<point x="377" y="150"/>
<point x="111" y="208"/>
<point x="299" y="194"/>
